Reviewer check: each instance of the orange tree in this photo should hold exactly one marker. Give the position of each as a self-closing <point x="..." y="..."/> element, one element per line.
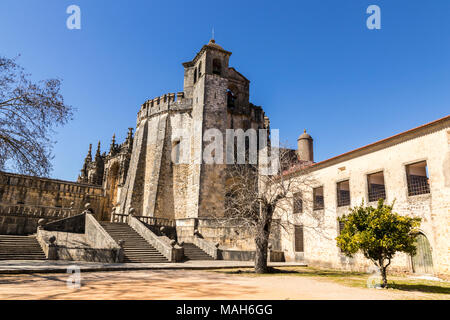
<point x="378" y="233"/>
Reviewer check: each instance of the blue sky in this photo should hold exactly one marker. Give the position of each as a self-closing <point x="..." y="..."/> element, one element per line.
<point x="312" y="64"/>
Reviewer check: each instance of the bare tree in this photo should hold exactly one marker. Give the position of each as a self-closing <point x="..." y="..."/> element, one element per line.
<point x="28" y="113"/>
<point x="252" y="200"/>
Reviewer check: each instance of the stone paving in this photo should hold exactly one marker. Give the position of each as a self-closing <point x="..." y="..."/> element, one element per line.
<point x="180" y="284"/>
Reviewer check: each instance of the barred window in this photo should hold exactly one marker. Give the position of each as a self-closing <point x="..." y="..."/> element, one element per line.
<point x="417" y="178"/>
<point x="343" y="193"/>
<point x="376" y="186"/>
<point x="341" y="226"/>
<point x="298" y="203"/>
<point x="318" y="198"/>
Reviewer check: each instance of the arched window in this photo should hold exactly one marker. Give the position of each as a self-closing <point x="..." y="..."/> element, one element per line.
<point x="230" y="99"/>
<point x="195" y="75"/>
<point x="217" y="67"/>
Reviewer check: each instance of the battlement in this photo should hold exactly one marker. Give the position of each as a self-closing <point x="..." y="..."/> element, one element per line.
<point x="166" y="102"/>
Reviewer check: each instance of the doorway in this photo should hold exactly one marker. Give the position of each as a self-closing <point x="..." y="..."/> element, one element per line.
<point x="422" y="261"/>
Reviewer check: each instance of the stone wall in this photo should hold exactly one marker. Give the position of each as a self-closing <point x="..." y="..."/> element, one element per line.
<point x="26" y="199"/>
<point x="430" y="143"/>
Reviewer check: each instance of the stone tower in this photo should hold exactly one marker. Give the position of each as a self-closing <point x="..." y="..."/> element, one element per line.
<point x="215" y="97"/>
<point x="305" y="151"/>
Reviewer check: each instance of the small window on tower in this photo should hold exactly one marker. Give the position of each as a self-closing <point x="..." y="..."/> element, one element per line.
<point x="217" y="67"/>
<point x="199" y="69"/>
<point x="195" y="75"/>
<point x="230" y="99"/>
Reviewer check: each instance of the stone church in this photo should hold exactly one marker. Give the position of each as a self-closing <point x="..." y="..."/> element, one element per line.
<point x="140" y="173"/>
<point x="144" y="206"/>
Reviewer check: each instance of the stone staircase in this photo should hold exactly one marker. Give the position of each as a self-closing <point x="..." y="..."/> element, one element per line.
<point x="192" y="252"/>
<point x="20" y="248"/>
<point x="136" y="248"/>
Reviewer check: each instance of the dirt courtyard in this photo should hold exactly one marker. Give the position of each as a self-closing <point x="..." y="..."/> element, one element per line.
<point x="181" y="284"/>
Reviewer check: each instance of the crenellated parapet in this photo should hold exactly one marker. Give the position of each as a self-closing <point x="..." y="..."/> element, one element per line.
<point x="164" y="103"/>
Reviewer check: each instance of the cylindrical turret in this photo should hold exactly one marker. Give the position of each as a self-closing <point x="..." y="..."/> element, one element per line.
<point x="305" y="147"/>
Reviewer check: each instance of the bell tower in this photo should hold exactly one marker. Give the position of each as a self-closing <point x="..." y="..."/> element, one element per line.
<point x="206" y="83"/>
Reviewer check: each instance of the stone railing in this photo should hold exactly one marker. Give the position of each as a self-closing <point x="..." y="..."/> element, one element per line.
<point x="210" y="248"/>
<point x="36" y="211"/>
<point x="97" y="237"/>
<point x="167" y="247"/>
<point x="74" y="224"/>
<point x="119" y="217"/>
<point x="159" y="222"/>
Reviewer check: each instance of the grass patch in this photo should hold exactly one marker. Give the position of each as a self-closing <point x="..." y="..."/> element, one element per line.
<point x="396" y="282"/>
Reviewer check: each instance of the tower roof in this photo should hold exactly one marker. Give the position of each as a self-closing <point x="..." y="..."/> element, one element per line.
<point x="304" y="135"/>
<point x="211" y="45"/>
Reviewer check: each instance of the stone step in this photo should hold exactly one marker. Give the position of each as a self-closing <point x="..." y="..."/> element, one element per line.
<point x="136" y="248"/>
<point x="192" y="252"/>
<point x="20" y="248"/>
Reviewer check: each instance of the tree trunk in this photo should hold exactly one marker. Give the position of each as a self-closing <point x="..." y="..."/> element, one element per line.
<point x="262" y="238"/>
<point x="384" y="276"/>
<point x="261" y="241"/>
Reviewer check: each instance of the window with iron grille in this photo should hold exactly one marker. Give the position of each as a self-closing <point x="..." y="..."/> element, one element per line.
<point x="343" y="193"/>
<point x="376" y="186"/>
<point x="341" y="226"/>
<point x="298" y="203"/>
<point x="417" y="178"/>
<point x="298" y="241"/>
<point x="318" y="198"/>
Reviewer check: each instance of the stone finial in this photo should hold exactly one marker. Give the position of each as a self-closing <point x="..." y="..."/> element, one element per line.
<point x="88" y="208"/>
<point x="89" y="154"/>
<point x="162" y="229"/>
<point x="97" y="154"/>
<point x="52" y="240"/>
<point x="41" y="223"/>
<point x="217" y="245"/>
<point x="269" y="246"/>
<point x="112" y="147"/>
<point x="196" y="232"/>
<point x="121" y="243"/>
<point x="172" y="243"/>
<point x="131" y="211"/>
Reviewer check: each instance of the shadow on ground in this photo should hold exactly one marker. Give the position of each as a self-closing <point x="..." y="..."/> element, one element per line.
<point x="420" y="287"/>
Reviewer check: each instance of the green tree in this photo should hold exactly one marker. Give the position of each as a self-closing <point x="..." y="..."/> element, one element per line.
<point x="379" y="233"/>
